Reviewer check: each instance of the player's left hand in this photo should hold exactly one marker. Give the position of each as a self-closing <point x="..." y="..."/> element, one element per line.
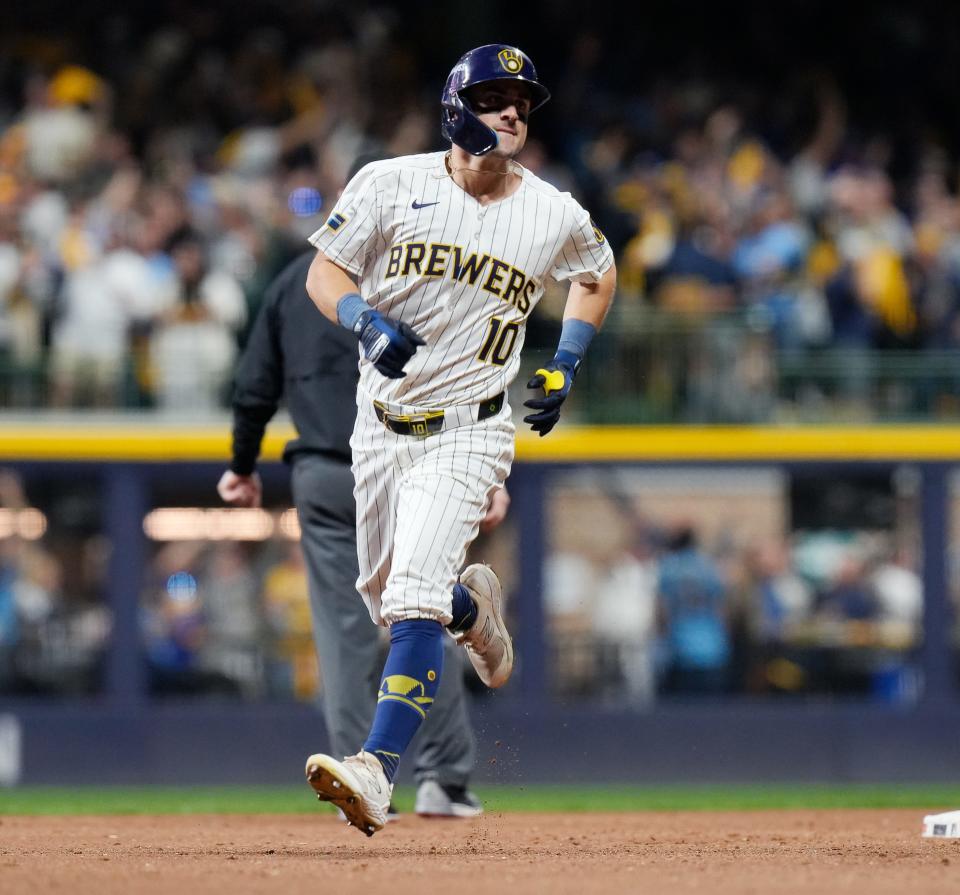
<point x="556" y="380"/>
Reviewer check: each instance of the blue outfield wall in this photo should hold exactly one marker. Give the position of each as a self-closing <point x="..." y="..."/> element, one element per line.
<point x="524" y="736"/>
<point x="716" y="742"/>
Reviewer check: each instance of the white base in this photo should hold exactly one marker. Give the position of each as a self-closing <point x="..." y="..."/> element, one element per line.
<point x="942" y="826"/>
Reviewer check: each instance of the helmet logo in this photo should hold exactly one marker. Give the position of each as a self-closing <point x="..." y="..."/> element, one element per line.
<point x="511" y="60"/>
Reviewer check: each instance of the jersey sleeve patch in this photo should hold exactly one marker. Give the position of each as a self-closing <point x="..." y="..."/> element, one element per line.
<point x="336" y="221"/>
<point x="597" y="232"/>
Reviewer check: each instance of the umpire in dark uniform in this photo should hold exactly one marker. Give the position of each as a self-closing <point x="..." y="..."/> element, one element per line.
<point x="295" y="354"/>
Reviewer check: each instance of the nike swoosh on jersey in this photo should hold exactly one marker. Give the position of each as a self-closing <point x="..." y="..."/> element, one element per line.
<point x="417" y="204"/>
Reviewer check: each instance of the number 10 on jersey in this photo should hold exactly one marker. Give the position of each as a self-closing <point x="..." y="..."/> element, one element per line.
<point x="499" y="341"/>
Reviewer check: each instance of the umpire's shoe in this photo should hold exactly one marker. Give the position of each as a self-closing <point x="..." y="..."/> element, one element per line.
<point x="356" y="785"/>
<point x="435" y="799"/>
<point x="488" y="642"/>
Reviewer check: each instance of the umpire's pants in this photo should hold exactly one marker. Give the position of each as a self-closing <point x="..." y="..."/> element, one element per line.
<point x="348" y="642"/>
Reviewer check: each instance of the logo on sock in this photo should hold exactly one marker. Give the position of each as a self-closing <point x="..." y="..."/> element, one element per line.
<point x="407" y="690"/>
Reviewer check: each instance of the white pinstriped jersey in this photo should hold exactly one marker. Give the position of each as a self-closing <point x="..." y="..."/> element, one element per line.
<point x="465" y="276"/>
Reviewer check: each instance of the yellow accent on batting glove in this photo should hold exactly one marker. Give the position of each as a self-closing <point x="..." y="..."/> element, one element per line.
<point x="556" y="380"/>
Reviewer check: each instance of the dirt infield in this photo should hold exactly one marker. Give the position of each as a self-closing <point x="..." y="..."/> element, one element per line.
<point x="764" y="852"/>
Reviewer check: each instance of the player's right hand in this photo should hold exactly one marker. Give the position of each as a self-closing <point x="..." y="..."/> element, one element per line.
<point x="388" y="344"/>
<point x="240" y="490"/>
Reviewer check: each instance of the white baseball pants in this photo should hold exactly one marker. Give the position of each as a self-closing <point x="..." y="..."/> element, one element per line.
<point x="420" y="502"/>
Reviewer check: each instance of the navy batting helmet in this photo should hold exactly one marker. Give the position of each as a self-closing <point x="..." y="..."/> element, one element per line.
<point x="493" y="62"/>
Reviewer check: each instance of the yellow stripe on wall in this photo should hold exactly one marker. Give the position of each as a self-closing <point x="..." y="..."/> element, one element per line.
<point x="132" y="443"/>
<point x="708" y="443"/>
<point x="568" y="444"/>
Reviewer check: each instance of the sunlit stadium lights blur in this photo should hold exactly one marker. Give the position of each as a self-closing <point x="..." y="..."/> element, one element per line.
<point x="198" y="524"/>
<point x="305" y="202"/>
<point x="289" y="525"/>
<point x="29" y="524"/>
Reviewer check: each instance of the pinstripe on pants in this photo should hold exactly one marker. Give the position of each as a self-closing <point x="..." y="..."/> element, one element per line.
<point x="420" y="502"/>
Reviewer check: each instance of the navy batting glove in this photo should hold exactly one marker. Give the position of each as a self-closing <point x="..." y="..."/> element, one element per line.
<point x="556" y="380"/>
<point x="387" y="343"/>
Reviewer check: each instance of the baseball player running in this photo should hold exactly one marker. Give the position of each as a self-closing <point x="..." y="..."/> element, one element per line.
<point x="297" y="355"/>
<point x="435" y="261"/>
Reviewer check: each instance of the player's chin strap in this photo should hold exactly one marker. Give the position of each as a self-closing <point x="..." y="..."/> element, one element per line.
<point x="513" y="167"/>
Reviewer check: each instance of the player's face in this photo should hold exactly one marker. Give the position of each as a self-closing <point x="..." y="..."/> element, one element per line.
<point x="505" y="107"/>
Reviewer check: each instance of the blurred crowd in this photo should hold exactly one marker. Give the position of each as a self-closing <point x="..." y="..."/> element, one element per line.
<point x="150" y="190"/>
<point x="229" y="618"/>
<point x="780" y="254"/>
<point x="54" y="622"/>
<point x="220" y="617"/>
<point x="831" y="612"/>
<point x="146" y="202"/>
<point x="647" y="593"/>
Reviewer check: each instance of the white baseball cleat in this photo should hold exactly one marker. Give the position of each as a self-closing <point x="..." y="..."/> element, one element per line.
<point x="488" y="642"/>
<point x="393" y="815"/>
<point x="357" y="786"/>
<point x="436" y="800"/>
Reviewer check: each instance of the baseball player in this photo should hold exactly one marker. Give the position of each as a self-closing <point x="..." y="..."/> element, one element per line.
<point x="435" y="262"/>
<point x="294" y="353"/>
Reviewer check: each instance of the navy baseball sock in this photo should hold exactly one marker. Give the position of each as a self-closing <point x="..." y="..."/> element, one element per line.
<point x="410" y="680"/>
<point x="464" y="610"/>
